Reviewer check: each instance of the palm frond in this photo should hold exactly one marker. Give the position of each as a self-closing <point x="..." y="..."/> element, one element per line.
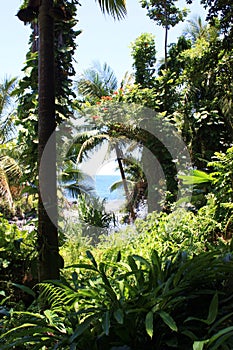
<point x="119" y="185"/>
<point x="5" y="191"/>
<point x="115" y="8"/>
<point x="6" y="89"/>
<point x="196" y="29"/>
<point x="7" y="128"/>
<point x="91" y="88"/>
<point x="88" y="144"/>
<point x="109" y="78"/>
<point x="11" y="167"/>
<point x="128" y="79"/>
<point x="10" y="171"/>
<point x="97" y="81"/>
<point x="75" y="182"/>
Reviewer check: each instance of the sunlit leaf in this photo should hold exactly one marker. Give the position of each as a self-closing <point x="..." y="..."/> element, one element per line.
<point x="168" y="320"/>
<point x="149" y="323"/>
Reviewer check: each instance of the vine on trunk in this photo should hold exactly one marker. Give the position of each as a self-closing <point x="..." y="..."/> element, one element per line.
<point x="27" y="90"/>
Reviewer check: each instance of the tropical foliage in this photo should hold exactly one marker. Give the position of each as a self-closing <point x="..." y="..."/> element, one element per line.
<point x="164" y="281"/>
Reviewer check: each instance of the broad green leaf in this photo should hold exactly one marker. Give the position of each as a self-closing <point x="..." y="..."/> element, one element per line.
<point x="196" y="177"/>
<point x="110" y="292"/>
<point x="91" y="257"/>
<point x="168" y="320"/>
<point x="106" y="322"/>
<point x="149" y="323"/>
<point x="220" y="333"/>
<point x="135" y="310"/>
<point x="119" y="316"/>
<point x="30" y="314"/>
<point x="156" y="260"/>
<point x="28" y="329"/>
<point x="199" y="345"/>
<point x="103" y="275"/>
<point x="25" y="289"/>
<point x="189" y="334"/>
<point x="213" y="310"/>
<point x="220" y="321"/>
<point x="132" y="263"/>
<point x="81" y="266"/>
<point x="55" y="320"/>
<point x="82" y="327"/>
<point x="221" y="341"/>
<point x="39" y="343"/>
<point x="141" y="259"/>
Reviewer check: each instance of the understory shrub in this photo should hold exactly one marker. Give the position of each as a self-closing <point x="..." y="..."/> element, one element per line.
<point x="154" y="303"/>
<point x="168" y="234"/>
<point x="17" y="257"/>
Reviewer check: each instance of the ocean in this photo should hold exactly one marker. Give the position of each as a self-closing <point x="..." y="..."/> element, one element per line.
<point x="114" y="200"/>
<point x="102" y="187"/>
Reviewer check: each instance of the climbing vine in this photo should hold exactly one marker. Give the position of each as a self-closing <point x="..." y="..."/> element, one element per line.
<point x="65" y="35"/>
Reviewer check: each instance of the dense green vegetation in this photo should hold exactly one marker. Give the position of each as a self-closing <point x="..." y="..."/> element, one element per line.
<point x="161" y="282"/>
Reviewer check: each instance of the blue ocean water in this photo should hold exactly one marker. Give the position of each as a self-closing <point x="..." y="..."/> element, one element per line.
<point x="103" y="184"/>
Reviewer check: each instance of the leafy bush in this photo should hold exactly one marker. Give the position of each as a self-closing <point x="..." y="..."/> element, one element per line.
<point x="74" y="243"/>
<point x="221" y="181"/>
<point x="16" y="245"/>
<point x="168" y="234"/>
<point x="93" y="217"/>
<point x="154" y="303"/>
<point x="222" y="175"/>
<point x="18" y="261"/>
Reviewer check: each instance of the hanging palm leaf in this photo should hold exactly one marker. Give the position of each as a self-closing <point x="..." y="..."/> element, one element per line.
<point x="5" y="191"/>
<point x="115" y="8"/>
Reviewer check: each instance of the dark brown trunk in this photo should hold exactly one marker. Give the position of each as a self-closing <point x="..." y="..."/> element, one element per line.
<point x="47" y="207"/>
<point x="165" y="47"/>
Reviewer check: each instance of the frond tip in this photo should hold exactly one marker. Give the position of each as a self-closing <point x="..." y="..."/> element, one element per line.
<point x="115" y="8"/>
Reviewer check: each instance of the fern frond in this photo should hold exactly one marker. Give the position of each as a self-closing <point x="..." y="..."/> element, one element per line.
<point x="58" y="297"/>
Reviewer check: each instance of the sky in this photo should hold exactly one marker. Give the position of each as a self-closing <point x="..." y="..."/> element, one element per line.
<point x="102" y="39"/>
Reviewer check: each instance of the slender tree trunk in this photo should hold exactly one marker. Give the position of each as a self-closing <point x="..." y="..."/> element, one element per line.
<point x="166" y="35"/>
<point x="165" y="47"/>
<point x="47" y="226"/>
<point x="132" y="213"/>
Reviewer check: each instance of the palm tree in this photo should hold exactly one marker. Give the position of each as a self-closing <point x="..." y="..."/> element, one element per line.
<point x="9" y="166"/>
<point x="95" y="83"/>
<point x="10" y="174"/>
<point x="47" y="223"/>
<point x="74" y="182"/>
<point x="7" y="128"/>
<point x="196" y="29"/>
<point x="97" y="139"/>
<point x="136" y="180"/>
<point x="49" y="259"/>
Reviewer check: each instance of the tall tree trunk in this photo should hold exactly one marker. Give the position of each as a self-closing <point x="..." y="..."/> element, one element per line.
<point x="165" y="47"/>
<point x="47" y="226"/>
<point x="119" y="160"/>
<point x="166" y="35"/>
